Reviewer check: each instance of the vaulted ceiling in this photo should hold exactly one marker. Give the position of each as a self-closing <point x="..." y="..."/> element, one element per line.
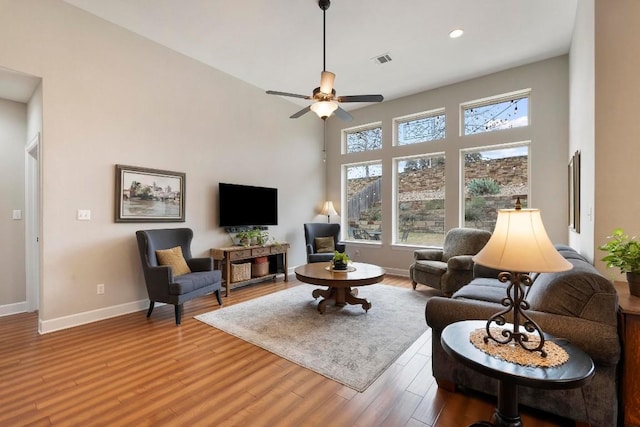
<point x="277" y="44"/>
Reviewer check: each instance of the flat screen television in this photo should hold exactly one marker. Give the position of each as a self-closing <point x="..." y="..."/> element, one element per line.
<point x="246" y="205"/>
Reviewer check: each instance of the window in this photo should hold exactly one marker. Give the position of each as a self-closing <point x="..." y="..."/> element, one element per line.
<point x="364" y="138"/>
<point x="493" y="178"/>
<point x="423" y="127"/>
<point x="495" y="114"/>
<point x="420" y="200"/>
<point x="363" y="189"/>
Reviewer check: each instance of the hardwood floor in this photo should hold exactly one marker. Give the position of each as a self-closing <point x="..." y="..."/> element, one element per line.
<point x="133" y="371"/>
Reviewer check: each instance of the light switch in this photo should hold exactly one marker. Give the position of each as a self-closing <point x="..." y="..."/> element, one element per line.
<point x="17" y="214"/>
<point x="84" y="215"/>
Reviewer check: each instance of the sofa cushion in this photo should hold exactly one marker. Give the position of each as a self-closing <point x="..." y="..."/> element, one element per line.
<point x="437" y="268"/>
<point x="194" y="281"/>
<point x="173" y="257"/>
<point x="483" y="289"/>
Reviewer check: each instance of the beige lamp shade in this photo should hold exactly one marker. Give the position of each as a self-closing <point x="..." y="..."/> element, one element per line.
<point x="328" y="209"/>
<point x="520" y="243"/>
<point x="324" y="108"/>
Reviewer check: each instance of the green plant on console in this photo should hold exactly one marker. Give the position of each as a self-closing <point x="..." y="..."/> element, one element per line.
<point x="254" y="236"/>
<point x="624" y="252"/>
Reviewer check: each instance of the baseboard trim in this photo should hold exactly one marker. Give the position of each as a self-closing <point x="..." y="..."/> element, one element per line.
<point x="65" y="322"/>
<point x="397" y="272"/>
<point x="15" y="308"/>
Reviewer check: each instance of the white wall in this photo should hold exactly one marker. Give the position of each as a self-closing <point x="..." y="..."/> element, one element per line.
<point x="617" y="128"/>
<point x="582" y="123"/>
<point x="548" y="133"/>
<point x="112" y="97"/>
<point x="13" y="134"/>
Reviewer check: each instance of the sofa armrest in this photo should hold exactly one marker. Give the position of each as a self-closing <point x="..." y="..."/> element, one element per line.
<point x="432" y="254"/>
<point x="200" y="264"/>
<point x="460" y="262"/>
<point x="599" y="340"/>
<point x="341" y="246"/>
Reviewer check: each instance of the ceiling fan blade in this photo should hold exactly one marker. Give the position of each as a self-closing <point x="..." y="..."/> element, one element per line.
<point x="305" y="110"/>
<point x="327" y="78"/>
<point x="360" y="98"/>
<point x="343" y="114"/>
<point x="294" y="95"/>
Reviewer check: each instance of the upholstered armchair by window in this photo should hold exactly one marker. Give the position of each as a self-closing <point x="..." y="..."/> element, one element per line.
<point x="322" y="240"/>
<point x="450" y="267"/>
<point x="172" y="275"/>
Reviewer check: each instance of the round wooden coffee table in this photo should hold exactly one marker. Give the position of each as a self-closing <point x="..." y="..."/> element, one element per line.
<point x="340" y="283"/>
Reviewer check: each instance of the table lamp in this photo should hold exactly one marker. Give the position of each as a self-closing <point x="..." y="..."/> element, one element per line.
<point x="519" y="246"/>
<point x="328" y="210"/>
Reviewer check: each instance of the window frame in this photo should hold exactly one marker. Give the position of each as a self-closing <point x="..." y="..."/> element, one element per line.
<point x="495" y="99"/>
<point x="361" y="128"/>
<point x="395" y="239"/>
<point x="345" y="200"/>
<point x="461" y="178"/>
<point x="414" y="117"/>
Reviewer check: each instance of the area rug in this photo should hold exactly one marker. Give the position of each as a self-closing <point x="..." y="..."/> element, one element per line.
<point x="345" y="344"/>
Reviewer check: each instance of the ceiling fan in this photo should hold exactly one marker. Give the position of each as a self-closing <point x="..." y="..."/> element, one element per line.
<point x="326" y="101"/>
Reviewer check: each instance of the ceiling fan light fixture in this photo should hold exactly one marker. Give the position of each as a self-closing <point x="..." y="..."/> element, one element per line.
<point x="326" y="82"/>
<point x="326" y="101"/>
<point x="324" y="108"/>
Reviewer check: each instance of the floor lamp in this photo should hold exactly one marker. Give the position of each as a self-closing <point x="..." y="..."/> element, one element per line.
<point x="328" y="210"/>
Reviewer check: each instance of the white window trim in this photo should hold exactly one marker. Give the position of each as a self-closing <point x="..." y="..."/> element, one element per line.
<point x="344" y="222"/>
<point x="496" y="99"/>
<point x="356" y="129"/>
<point x="394" y="194"/>
<point x="463" y="151"/>
<point x="416" y="116"/>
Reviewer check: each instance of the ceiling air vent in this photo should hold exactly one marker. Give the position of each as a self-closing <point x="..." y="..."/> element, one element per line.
<point x="382" y="59"/>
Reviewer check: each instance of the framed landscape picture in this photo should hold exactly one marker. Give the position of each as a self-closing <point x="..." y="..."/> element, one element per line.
<point x="149" y="195"/>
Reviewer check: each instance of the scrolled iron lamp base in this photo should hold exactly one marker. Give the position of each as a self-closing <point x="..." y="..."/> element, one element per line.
<point x="515" y="302"/>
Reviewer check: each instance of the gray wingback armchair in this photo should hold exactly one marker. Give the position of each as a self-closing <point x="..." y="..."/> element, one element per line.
<point x="162" y="284"/>
<point x="319" y="229"/>
<point x="450" y="267"/>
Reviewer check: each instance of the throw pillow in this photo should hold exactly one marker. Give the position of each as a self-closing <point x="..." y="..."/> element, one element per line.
<point x="324" y="244"/>
<point x="174" y="258"/>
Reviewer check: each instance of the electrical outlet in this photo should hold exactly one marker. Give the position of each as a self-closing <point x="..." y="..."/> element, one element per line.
<point x="83" y="215"/>
<point x="100" y="288"/>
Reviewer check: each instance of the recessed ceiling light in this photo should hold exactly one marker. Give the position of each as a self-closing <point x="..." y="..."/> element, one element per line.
<point x="456" y="33"/>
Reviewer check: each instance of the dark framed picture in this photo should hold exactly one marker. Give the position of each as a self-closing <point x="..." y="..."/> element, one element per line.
<point x="574" y="192"/>
<point x="149" y="195"/>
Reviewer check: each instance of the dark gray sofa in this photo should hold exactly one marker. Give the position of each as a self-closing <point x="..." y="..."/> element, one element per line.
<point x="579" y="305"/>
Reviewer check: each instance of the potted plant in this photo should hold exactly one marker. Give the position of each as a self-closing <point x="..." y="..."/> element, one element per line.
<point x="340" y="260"/>
<point x="243" y="238"/>
<point x="624" y="253"/>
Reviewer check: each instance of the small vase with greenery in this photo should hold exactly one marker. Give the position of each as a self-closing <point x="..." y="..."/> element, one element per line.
<point x="339" y="261"/>
<point x="624" y="253"/>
